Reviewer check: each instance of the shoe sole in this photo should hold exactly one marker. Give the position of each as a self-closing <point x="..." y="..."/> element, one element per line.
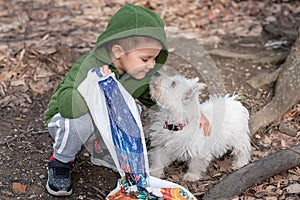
<point x="103" y="163"/>
<point x="58" y="193"/>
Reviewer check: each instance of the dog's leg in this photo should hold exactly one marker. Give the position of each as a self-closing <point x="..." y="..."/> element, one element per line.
<point x="241" y="153"/>
<point x="158" y="161"/>
<point x="197" y="169"/>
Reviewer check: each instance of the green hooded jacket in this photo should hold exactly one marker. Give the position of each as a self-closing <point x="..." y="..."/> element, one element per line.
<point x="130" y="20"/>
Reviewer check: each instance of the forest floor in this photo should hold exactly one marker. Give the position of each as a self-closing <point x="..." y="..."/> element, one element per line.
<point x="39" y="42"/>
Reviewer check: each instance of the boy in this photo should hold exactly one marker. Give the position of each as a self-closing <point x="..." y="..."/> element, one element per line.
<point x="133" y="47"/>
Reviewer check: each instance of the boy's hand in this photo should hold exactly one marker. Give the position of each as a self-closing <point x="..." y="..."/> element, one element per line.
<point x="105" y="69"/>
<point x="205" y="125"/>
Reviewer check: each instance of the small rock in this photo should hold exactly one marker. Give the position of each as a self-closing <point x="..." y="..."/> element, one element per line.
<point x="293" y="189"/>
<point x="271" y="19"/>
<point x="32" y="196"/>
<point x="42" y="176"/>
<point x="284" y="128"/>
<point x="279" y="192"/>
<point x="258" y="95"/>
<point x="86" y="154"/>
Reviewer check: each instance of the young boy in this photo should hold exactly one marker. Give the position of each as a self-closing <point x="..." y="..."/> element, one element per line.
<point x="133" y="47"/>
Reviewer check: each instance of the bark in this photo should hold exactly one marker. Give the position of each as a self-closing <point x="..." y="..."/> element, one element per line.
<point x="255" y="172"/>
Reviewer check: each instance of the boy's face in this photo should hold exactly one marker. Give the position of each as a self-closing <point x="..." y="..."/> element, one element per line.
<point x="140" y="61"/>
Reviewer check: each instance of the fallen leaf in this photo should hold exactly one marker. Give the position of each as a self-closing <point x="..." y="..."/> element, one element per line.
<point x="5" y="75"/>
<point x="224" y="165"/>
<point x="270" y="188"/>
<point x="19" y="188"/>
<point x="272" y="198"/>
<point x="267" y="140"/>
<point x="296" y="171"/>
<point x="35" y="86"/>
<point x="283" y="143"/>
<point x="17" y="82"/>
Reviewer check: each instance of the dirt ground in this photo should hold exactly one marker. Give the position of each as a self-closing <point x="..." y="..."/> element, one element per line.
<point x="40" y="41"/>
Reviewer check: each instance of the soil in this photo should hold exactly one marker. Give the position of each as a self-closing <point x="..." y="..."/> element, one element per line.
<point x="25" y="144"/>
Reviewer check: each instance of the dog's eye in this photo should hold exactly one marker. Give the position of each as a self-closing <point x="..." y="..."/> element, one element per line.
<point x="173" y="84"/>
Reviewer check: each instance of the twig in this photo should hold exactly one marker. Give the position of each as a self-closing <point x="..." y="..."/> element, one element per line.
<point x="254" y="145"/>
<point x="255" y="172"/>
<point x="9" y="140"/>
<point x="18" y="39"/>
<point x="76" y="166"/>
<point x="99" y="191"/>
<point x="8" y="146"/>
<point x="23" y="132"/>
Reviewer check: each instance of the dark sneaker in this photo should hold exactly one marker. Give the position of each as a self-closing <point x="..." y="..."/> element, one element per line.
<point x="59" y="178"/>
<point x="102" y="157"/>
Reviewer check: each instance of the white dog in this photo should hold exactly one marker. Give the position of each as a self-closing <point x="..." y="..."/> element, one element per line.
<point x="175" y="132"/>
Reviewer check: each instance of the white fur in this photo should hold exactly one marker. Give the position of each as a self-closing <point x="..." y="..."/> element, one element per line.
<point x="179" y="100"/>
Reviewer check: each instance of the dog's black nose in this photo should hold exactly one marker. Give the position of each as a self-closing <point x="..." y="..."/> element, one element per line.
<point x="157" y="74"/>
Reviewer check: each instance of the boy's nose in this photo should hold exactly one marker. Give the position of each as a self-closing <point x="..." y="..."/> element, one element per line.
<point x="151" y="65"/>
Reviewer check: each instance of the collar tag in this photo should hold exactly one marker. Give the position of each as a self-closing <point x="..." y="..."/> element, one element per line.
<point x="174" y="127"/>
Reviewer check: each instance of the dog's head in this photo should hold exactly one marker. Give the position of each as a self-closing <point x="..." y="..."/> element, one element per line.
<point x="173" y="92"/>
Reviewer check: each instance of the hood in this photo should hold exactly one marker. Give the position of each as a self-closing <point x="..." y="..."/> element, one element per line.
<point x="133" y="20"/>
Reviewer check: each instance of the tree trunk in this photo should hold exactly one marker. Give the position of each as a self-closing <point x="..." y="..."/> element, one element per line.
<point x="201" y="62"/>
<point x="287" y="91"/>
<point x="255" y="172"/>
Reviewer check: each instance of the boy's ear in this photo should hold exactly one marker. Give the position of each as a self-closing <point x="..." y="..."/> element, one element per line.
<point x="117" y="51"/>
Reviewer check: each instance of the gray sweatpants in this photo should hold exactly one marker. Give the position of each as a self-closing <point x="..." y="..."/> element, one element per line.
<point x="70" y="135"/>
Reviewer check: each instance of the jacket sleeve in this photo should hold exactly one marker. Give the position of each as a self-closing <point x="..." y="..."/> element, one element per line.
<point x="70" y="103"/>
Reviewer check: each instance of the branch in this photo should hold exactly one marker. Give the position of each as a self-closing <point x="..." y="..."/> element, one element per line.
<point x="255" y="172"/>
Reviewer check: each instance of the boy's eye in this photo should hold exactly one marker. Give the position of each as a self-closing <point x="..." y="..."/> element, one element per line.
<point x="145" y="59"/>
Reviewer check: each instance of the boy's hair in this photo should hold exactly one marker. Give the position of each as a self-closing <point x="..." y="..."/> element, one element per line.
<point x="129" y="43"/>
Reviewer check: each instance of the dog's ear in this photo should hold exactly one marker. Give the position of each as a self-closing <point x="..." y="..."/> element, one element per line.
<point x="195" y="89"/>
<point x="196" y="86"/>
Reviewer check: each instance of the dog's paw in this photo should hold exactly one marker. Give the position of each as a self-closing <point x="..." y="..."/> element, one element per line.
<point x="239" y="164"/>
<point x="157" y="173"/>
<point x="192" y="177"/>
